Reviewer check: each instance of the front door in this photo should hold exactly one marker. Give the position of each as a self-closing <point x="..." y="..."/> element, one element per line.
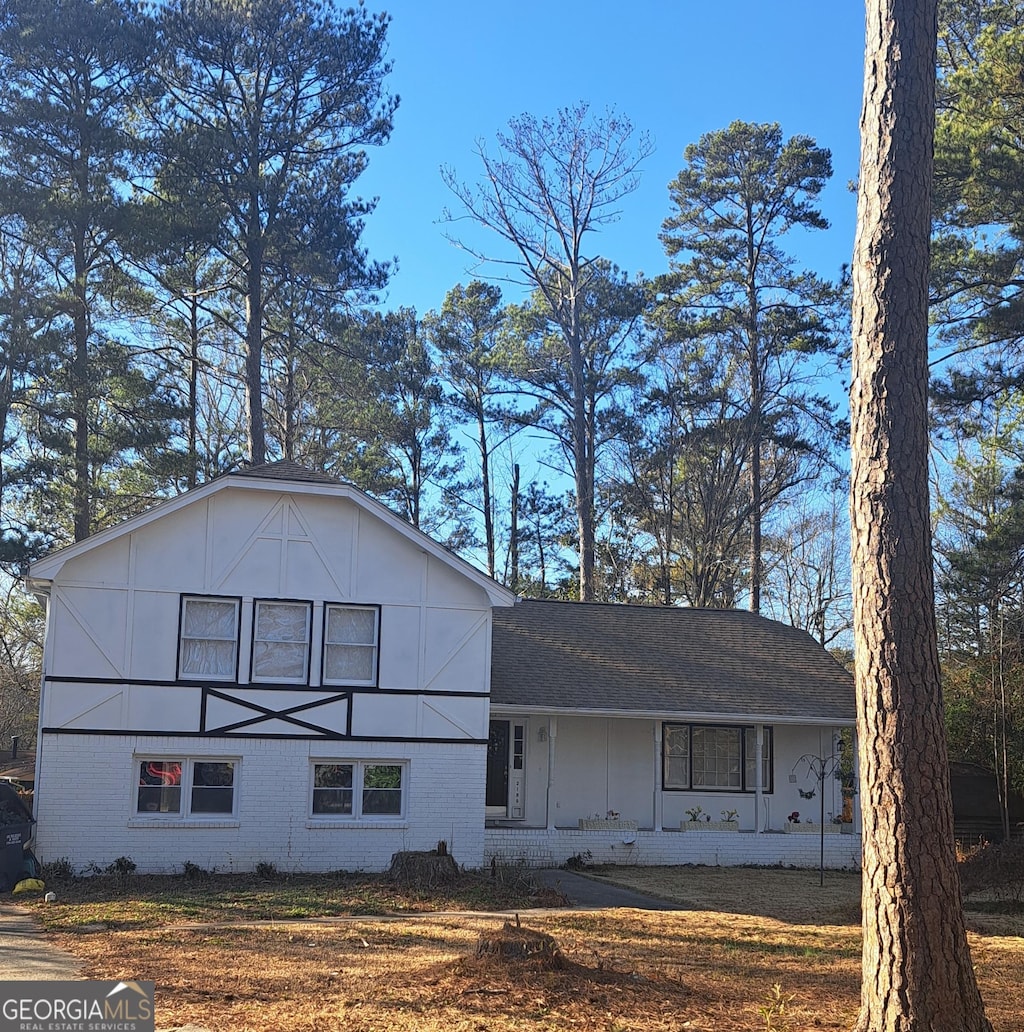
<point x="506" y="750"/>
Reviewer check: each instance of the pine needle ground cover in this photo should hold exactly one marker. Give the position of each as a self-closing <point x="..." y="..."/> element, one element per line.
<point x="754" y="949"/>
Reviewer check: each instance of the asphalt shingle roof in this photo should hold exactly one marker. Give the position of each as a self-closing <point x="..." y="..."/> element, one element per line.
<point x="285" y="470"/>
<point x="560" y="656"/>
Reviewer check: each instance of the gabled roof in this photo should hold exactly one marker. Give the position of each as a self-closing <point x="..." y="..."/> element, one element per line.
<point x="271" y="476"/>
<point x="285" y="470"/>
<point x="663" y="661"/>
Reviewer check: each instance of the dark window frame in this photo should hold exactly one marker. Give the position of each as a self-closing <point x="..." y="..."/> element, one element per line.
<point x="747" y="756"/>
<point x="183" y="601"/>
<point x="325" y="645"/>
<point x="258" y="679"/>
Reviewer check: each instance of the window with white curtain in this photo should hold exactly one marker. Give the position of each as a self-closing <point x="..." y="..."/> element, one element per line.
<point x="208" y="645"/>
<point x="280" y="641"/>
<point x="350" y="644"/>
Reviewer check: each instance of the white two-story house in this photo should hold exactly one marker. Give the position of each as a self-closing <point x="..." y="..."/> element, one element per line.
<point x="274" y="668"/>
<point x="270" y="668"/>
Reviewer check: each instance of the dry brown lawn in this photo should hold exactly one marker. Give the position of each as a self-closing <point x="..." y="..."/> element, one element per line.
<point x="711" y="966"/>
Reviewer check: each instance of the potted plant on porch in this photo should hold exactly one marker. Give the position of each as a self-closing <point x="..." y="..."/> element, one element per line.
<point x="611" y="821"/>
<point x="701" y="821"/>
<point x="795" y="826"/>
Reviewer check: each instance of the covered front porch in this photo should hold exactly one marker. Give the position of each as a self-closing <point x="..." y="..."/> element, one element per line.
<point x="668" y="789"/>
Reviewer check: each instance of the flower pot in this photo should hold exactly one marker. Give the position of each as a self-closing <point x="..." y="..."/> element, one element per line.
<point x="810" y="829"/>
<point x="606" y="824"/>
<point x="709" y="825"/>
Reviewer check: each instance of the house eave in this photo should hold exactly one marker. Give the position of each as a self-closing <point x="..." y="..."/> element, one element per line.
<point x="687" y="716"/>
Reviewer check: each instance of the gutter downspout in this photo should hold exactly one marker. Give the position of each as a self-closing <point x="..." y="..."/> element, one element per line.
<point x="552" y="735"/>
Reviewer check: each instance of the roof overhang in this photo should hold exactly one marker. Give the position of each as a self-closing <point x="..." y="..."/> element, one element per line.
<point x="688" y="717"/>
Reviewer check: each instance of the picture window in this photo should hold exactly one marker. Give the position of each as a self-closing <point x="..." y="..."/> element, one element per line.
<point x="712" y="758"/>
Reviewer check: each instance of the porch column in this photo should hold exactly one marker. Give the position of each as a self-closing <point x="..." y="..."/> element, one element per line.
<point x="758" y="775"/>
<point x="552" y="735"/>
<point x="659" y="805"/>
<point x="856" y="782"/>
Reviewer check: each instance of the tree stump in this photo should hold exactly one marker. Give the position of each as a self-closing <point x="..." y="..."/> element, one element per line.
<point x="423" y="869"/>
<point x="513" y="944"/>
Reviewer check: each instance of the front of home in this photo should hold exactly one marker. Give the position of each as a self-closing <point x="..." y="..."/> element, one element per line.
<point x="662" y="735"/>
<point x="273" y="668"/>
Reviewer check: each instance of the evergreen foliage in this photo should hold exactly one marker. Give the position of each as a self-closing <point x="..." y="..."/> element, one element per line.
<point x="736" y="298"/>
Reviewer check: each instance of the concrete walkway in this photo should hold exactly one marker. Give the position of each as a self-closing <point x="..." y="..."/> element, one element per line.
<point x="25" y="952"/>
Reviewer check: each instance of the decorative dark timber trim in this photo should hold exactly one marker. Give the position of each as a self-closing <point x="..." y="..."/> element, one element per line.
<point x="265" y="738"/>
<point x="263" y="686"/>
<point x="265" y="713"/>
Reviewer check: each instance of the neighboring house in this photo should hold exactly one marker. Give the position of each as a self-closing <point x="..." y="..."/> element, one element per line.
<point x="648" y="713"/>
<point x="270" y="668"/>
<point x="275" y="668"/>
<point x="19" y="769"/>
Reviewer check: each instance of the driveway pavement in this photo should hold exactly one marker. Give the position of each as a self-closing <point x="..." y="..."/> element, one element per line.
<point x="594" y="893"/>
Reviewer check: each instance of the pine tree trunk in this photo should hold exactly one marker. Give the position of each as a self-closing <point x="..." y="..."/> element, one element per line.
<point x="254" y="374"/>
<point x="485" y="491"/>
<point x="80" y="381"/>
<point x="582" y="451"/>
<point x="917" y="973"/>
<point x="513" y="581"/>
<point x="754" y="346"/>
<point x="192" y="476"/>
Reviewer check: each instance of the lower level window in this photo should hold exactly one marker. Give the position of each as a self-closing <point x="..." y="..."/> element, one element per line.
<point x="185" y="787"/>
<point x="353" y="789"/>
<point x="715" y="758"/>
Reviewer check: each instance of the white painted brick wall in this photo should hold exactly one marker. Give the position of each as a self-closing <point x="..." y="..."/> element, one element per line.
<point x="85" y="797"/>
<point x="541" y="848"/>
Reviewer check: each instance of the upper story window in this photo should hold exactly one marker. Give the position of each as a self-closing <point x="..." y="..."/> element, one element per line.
<point x="350" y="644"/>
<point x="208" y="646"/>
<point x="280" y="641"/>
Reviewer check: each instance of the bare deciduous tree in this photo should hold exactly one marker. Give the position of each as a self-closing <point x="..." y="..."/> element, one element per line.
<point x="552" y="182"/>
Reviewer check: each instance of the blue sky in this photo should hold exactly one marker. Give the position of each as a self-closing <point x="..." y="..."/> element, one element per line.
<point x="676" y="69"/>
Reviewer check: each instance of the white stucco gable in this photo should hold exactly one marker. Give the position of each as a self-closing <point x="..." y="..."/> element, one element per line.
<point x="274" y="667"/>
<point x="116" y="616"/>
<point x="282" y="521"/>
